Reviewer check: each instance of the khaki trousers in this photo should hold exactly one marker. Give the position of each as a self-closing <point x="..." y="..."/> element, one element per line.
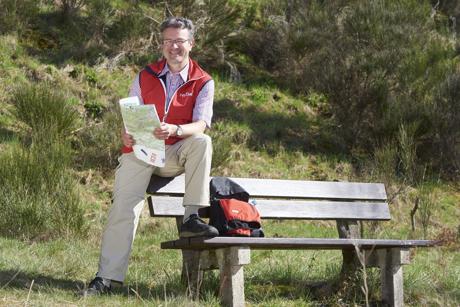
<point x="191" y="156"/>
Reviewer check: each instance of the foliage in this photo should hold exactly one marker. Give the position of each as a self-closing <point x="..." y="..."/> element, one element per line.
<point x="377" y="65"/>
<point x="380" y="64"/>
<point x="445" y="111"/>
<point x="39" y="194"/>
<point x="427" y="200"/>
<point x="70" y="8"/>
<point x="218" y="26"/>
<point x="408" y="152"/>
<point x="16" y="15"/>
<point x="99" y="144"/>
<point x="46" y="112"/>
<point x="317" y="90"/>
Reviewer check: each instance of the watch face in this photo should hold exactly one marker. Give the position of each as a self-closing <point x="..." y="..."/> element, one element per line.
<point x="179" y="131"/>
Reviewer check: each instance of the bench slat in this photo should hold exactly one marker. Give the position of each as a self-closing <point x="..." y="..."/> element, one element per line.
<point x="293" y="243"/>
<point x="276" y="188"/>
<point x="291" y="209"/>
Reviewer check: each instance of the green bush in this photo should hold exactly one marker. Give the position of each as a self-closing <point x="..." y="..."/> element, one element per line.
<point x="98" y="146"/>
<point x="39" y="194"/>
<point x="427" y="199"/>
<point x="38" y="191"/>
<point x="227" y="140"/>
<point x="15" y="15"/>
<point x="69" y="8"/>
<point x="445" y="146"/>
<point x="380" y="65"/>
<point x="45" y="111"/>
<point x="384" y="163"/>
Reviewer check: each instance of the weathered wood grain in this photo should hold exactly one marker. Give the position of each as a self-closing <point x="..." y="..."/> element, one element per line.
<point x="277" y="188"/>
<point x="293" y="243"/>
<point x="288" y="209"/>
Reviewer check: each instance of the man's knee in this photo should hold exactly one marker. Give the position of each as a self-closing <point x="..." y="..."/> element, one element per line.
<point x="202" y="140"/>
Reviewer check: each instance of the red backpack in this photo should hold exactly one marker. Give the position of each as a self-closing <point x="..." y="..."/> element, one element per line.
<point x="230" y="211"/>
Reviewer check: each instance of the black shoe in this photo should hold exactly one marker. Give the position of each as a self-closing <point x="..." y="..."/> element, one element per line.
<point x="97" y="287"/>
<point x="195" y="227"/>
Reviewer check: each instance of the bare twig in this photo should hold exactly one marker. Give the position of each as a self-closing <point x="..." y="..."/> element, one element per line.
<point x="168" y="9"/>
<point x="152" y="19"/>
<point x="85" y="127"/>
<point x="30" y="291"/>
<point x="412" y="213"/>
<point x="434" y="9"/>
<point x="138" y="296"/>
<point x="361" y="255"/>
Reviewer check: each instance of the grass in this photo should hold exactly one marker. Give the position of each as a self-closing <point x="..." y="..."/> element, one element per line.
<point x="50" y="273"/>
<point x="47" y="273"/>
<point x="259" y="130"/>
<point x="60" y="268"/>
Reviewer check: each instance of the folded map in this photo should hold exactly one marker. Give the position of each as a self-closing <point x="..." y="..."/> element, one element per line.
<point x="139" y="121"/>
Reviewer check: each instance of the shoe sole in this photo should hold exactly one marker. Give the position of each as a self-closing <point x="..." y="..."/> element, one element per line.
<point x="189" y="234"/>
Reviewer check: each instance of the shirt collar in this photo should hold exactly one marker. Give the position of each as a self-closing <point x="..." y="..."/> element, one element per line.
<point x="183" y="73"/>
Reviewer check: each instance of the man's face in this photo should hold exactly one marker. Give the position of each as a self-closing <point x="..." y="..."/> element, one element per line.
<point x="176" y="46"/>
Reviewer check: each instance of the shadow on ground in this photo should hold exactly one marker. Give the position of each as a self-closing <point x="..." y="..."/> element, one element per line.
<point x="23" y="280"/>
<point x="6" y="135"/>
<point x="294" y="131"/>
<point x="11" y="279"/>
<point x="256" y="290"/>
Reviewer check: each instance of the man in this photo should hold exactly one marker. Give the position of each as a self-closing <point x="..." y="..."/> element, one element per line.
<point x="183" y="95"/>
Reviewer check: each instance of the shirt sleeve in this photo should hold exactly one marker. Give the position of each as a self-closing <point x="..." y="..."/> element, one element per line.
<point x="135" y="89"/>
<point x="204" y="103"/>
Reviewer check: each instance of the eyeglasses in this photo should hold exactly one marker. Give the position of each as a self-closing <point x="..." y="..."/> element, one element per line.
<point x="178" y="42"/>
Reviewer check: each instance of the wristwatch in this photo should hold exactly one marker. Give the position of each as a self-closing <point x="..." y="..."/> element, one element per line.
<point x="179" y="131"/>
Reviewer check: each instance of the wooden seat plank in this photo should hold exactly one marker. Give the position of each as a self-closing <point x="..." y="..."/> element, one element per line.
<point x="277" y="188"/>
<point x="293" y="243"/>
<point x="290" y="209"/>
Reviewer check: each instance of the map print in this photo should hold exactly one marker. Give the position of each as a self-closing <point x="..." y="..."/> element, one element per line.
<point x="139" y="121"/>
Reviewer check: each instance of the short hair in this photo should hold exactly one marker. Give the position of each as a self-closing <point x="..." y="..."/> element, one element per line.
<point x="178" y="23"/>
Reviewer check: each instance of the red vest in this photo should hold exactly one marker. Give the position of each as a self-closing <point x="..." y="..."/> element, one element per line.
<point x="153" y="91"/>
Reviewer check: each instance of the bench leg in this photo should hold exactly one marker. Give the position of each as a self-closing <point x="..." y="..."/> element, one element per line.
<point x="192" y="273"/>
<point x="348" y="230"/>
<point x="231" y="262"/>
<point x="391" y="274"/>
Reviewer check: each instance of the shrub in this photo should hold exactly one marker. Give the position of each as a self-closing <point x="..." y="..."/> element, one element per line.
<point x="427" y="201"/>
<point x="384" y="162"/>
<point x="445" y="146"/>
<point x="380" y="65"/>
<point x="69" y="8"/>
<point x="38" y="192"/>
<point x="408" y="153"/>
<point x="45" y="111"/>
<point x="15" y="15"/>
<point x="227" y="141"/>
<point x="98" y="145"/>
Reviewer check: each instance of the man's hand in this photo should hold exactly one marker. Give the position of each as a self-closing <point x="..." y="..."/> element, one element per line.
<point x="165" y="131"/>
<point x="127" y="139"/>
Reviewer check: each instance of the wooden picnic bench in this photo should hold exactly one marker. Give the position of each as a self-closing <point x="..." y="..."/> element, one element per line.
<point x="347" y="203"/>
